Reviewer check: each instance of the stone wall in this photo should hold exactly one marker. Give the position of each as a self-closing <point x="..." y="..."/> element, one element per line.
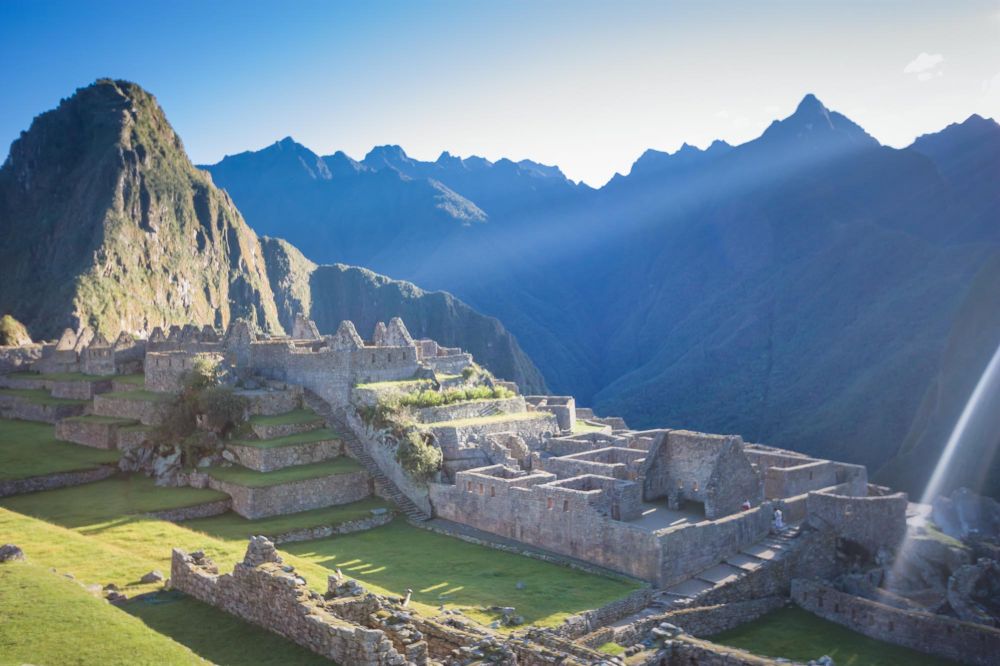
<point x="296" y="496"/>
<point x="205" y="510"/>
<point x="267" y="402"/>
<point x="80" y="390"/>
<point x="278" y="457"/>
<point x="693" y="547"/>
<point x="562" y="407"/>
<point x="932" y="634"/>
<point x="18" y="359"/>
<point x="588" y="621"/>
<point x="95" y="434"/>
<point x="532" y="428"/>
<point x="562" y="520"/>
<point x="471" y="409"/>
<point x="872" y="522"/>
<point x="688" y="651"/>
<point x="165" y="370"/>
<point x="15" y="407"/>
<point x="700" y="621"/>
<point x="798" y="479"/>
<point x="324" y="531"/>
<point x="267" y="595"/>
<point x="52" y="481"/>
<point x="148" y="412"/>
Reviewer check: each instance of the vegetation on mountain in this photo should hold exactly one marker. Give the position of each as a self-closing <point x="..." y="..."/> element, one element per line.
<point x="105" y="222"/>
<point x="13" y="332"/>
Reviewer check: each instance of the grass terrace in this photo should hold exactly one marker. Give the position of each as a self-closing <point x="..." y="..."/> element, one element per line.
<point x="793" y="633"/>
<point x="320" y="435"/>
<point x="216" y="635"/>
<point x="296" y="417"/>
<point x="105" y="420"/>
<point x="232" y="526"/>
<point x="110" y="499"/>
<point x="31" y="449"/>
<point x="60" y="376"/>
<point x="135" y="380"/>
<point x="241" y="476"/>
<point x="583" y="427"/>
<point x="395" y="384"/>
<point x="40" y="397"/>
<point x="141" y="394"/>
<point x="49" y="619"/>
<point x="496" y="418"/>
<point x="94" y="533"/>
<point x="444" y="570"/>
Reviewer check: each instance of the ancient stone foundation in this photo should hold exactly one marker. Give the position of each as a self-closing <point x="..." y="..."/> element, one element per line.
<point x="932" y="634"/>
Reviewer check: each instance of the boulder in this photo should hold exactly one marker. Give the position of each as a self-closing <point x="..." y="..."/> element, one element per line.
<point x="9" y="552"/>
<point x="152" y="577"/>
<point x="259" y="551"/>
<point x="974" y="592"/>
<point x="965" y="514"/>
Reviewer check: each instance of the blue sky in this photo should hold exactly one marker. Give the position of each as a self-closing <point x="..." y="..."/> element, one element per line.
<point x="584" y="85"/>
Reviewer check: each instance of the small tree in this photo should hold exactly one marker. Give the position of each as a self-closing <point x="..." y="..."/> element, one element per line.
<point x="417" y="454"/>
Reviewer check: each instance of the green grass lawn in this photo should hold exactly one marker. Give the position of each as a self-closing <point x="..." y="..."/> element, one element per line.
<point x="796" y="634"/>
<point x="30" y="449"/>
<point x="92" y="536"/>
<point x="40" y="397"/>
<point x="135" y="380"/>
<point x="296" y="417"/>
<point x="112" y="499"/>
<point x="444" y="570"/>
<point x="108" y="420"/>
<point x="216" y="635"/>
<point x="59" y="376"/>
<point x="582" y="427"/>
<point x="242" y="476"/>
<point x="231" y="526"/>
<point x="140" y="394"/>
<point x="480" y="420"/>
<point x="319" y="435"/>
<point x="49" y="619"/>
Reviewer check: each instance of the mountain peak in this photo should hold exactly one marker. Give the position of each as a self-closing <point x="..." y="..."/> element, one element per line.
<point x="814" y="125"/>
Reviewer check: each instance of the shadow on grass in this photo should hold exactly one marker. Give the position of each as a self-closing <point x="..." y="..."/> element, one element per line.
<point x="215" y="635"/>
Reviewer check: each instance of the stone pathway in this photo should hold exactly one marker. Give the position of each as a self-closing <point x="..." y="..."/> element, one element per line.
<point x="383" y="484"/>
<point x="730" y="570"/>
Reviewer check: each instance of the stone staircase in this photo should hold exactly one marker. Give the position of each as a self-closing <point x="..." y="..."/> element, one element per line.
<point x="356" y="447"/>
<point x="732" y="569"/>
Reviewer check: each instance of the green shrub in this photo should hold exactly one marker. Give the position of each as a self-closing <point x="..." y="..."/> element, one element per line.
<point x="13" y="332"/>
<point x="221" y="409"/>
<point x="431" y="398"/>
<point x="418" y="455"/>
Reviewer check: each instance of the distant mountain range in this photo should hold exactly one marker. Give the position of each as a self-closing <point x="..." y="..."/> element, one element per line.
<point x="811" y="288"/>
<point x="104" y="222"/>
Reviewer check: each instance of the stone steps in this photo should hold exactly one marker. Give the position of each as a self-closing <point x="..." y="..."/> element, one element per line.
<point x="383" y="484"/>
<point x="730" y="570"/>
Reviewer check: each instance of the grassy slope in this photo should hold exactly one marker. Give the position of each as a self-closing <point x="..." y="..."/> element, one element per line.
<point x="247" y="477"/>
<point x="793" y="633"/>
<point x="31" y="449"/>
<point x="99" y="543"/>
<point x="49" y="619"/>
<point x="215" y="635"/>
